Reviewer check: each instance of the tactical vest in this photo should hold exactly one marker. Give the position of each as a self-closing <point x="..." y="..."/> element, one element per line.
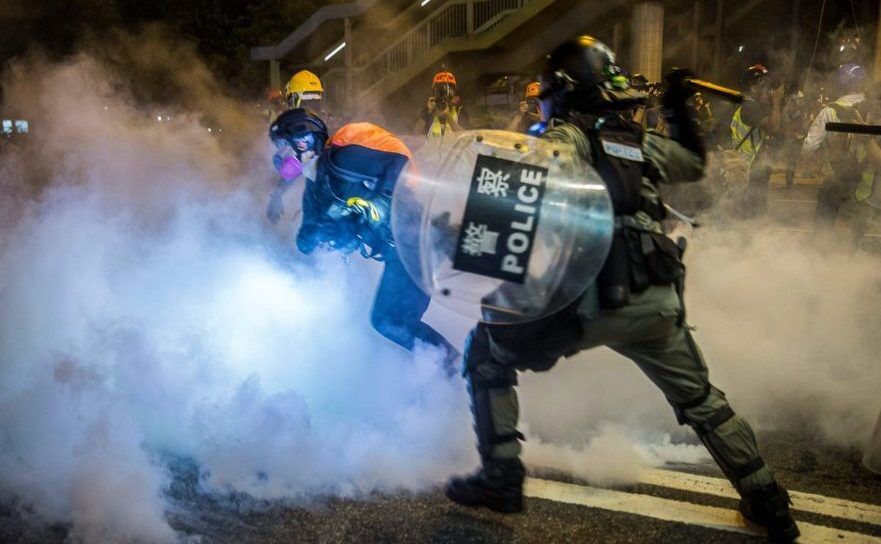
<point x="641" y="254"/>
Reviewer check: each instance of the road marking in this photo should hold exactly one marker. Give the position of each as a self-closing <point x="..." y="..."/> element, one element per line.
<point x="804" y="502"/>
<point x="669" y="510"/>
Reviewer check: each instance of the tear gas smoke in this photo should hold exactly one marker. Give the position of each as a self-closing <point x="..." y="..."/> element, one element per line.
<point x="146" y="312"/>
<point x="789" y="332"/>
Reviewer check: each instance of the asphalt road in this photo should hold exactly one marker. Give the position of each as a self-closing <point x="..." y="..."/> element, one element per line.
<point x="428" y="517"/>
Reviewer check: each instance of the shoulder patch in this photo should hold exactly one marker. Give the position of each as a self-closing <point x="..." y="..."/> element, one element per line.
<point x="622" y="151"/>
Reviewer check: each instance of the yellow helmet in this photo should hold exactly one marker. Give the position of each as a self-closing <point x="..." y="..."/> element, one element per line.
<point x="304" y="85"/>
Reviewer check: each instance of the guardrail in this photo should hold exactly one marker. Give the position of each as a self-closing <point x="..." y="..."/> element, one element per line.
<point x="455" y="19"/>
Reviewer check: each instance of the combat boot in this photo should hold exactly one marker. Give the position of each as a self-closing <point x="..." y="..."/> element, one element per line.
<point x="768" y="507"/>
<point x="497" y="486"/>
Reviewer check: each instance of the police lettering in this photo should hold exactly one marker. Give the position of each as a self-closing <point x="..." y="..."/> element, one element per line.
<point x="518" y="241"/>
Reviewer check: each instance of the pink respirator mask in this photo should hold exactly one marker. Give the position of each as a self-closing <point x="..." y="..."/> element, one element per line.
<point x="287" y="163"/>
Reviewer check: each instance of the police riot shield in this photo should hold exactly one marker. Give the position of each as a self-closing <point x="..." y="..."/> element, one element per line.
<point x="502" y="227"/>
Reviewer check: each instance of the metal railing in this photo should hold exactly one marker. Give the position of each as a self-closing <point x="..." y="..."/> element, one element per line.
<point x="454" y="19"/>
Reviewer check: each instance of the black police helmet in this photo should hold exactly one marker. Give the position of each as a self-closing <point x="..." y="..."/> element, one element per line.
<point x="581" y="76"/>
<point x="296" y="123"/>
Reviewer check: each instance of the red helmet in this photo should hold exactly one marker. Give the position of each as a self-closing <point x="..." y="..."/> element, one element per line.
<point x="444" y="78"/>
<point x="533" y="90"/>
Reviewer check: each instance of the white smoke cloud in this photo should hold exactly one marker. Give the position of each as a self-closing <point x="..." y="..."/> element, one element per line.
<point x="788" y="328"/>
<point x="147" y="313"/>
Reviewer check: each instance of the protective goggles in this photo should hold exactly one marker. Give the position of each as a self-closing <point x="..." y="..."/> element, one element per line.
<point x="295" y="100"/>
<point x="288" y="157"/>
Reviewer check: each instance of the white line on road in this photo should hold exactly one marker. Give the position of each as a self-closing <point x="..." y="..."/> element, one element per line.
<point x="669" y="510"/>
<point x="805" y="502"/>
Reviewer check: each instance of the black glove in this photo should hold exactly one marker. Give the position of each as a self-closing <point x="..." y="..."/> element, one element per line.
<point x="679" y="113"/>
<point x="677" y="92"/>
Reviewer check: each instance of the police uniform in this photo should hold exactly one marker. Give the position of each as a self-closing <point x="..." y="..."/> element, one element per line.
<point x="635" y="308"/>
<point x="635" y="304"/>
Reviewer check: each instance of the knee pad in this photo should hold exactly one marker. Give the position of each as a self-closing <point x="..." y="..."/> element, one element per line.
<point x="482" y="371"/>
<point x="485" y="374"/>
<point x="705" y="419"/>
<point x="700" y="416"/>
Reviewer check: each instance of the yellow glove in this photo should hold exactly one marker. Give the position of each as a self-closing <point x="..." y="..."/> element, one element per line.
<point x="366" y="208"/>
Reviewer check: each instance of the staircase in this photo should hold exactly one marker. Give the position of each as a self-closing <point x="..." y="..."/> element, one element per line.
<point x="456" y="26"/>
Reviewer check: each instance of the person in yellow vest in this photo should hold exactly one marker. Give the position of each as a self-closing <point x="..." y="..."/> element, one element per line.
<point x="853" y="159"/>
<point x="753" y="124"/>
<point x="529" y="113"/>
<point x="443" y="112"/>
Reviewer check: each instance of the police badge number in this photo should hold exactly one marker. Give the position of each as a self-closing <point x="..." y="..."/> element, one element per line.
<point x="622" y="151"/>
<point x="501" y="218"/>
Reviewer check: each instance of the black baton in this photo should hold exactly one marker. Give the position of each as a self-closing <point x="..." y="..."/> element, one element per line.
<point x="854" y="128"/>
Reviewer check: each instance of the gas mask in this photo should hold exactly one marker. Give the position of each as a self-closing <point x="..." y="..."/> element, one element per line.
<point x="288" y="156"/>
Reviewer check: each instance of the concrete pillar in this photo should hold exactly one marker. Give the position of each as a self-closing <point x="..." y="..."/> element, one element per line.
<point x="696" y="33"/>
<point x="347" y="58"/>
<point x="872" y="456"/>
<point x="717" y="39"/>
<point x="877" y="71"/>
<point x="793" y="40"/>
<point x="274" y="75"/>
<point x="647" y="39"/>
<point x="617" y="37"/>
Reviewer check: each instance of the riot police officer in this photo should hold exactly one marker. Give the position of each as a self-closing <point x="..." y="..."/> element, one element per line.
<point x="635" y="305"/>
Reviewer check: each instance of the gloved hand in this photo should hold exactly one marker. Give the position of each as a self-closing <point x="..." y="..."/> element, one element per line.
<point x="677" y="92"/>
<point x="275" y="208"/>
<point x="679" y="115"/>
<point x="367" y="210"/>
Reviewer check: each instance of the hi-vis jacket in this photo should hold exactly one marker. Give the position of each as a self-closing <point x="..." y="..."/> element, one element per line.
<point x="744" y="138"/>
<point x="439" y="128"/>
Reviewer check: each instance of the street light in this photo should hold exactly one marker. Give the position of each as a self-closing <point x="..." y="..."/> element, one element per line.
<point x="336" y="50"/>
